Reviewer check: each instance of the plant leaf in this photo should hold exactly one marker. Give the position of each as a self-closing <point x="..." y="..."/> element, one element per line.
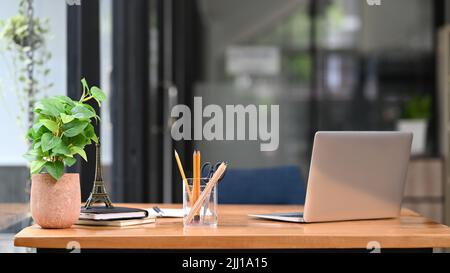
<point x="49" y="141"/>
<point x="51" y="107"/>
<point x="55" y="169"/>
<point x="30" y="155"/>
<point x="89" y="107"/>
<point x="79" y="140"/>
<point x="81" y="112"/>
<point x="74" y="128"/>
<point x="37" y="126"/>
<point x="62" y="149"/>
<point x="37" y="145"/>
<point x="50" y="124"/>
<point x="65" y="99"/>
<point x="80" y="151"/>
<point x="70" y="161"/>
<point x="98" y="94"/>
<point x="94" y="138"/>
<point x="36" y="166"/>
<point x="35" y="135"/>
<point x="85" y="85"/>
<point x="89" y="131"/>
<point x="66" y="118"/>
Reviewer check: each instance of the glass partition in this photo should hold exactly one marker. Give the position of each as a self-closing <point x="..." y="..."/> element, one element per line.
<point x="51" y="77"/>
<point x="329" y="65"/>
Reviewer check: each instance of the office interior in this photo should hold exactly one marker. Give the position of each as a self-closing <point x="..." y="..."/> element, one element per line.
<point x="330" y="65"/>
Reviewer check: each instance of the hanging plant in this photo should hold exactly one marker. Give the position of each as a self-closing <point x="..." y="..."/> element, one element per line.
<point x="23" y="37"/>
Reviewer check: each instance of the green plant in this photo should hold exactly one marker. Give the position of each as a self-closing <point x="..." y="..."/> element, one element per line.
<point x="62" y="128"/>
<point x="418" y="107"/>
<point x="23" y="40"/>
<point x="16" y="29"/>
<point x="300" y="65"/>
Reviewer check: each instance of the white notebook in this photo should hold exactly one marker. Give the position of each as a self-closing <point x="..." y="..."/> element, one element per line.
<point x="167" y="213"/>
<point x="116" y="223"/>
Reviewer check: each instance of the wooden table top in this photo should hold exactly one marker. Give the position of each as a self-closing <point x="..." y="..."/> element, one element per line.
<point x="238" y="231"/>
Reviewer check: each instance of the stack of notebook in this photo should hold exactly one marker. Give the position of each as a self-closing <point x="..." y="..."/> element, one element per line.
<point x="115" y="216"/>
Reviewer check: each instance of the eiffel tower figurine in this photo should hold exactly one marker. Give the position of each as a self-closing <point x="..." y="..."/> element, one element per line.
<point x="98" y="193"/>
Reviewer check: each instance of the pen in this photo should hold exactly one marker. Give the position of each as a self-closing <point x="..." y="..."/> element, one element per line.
<point x="183" y="175"/>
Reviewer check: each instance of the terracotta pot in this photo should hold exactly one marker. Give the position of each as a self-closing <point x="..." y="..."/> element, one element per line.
<point x="55" y="204"/>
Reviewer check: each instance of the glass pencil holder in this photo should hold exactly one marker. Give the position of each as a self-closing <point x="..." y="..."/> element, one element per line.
<point x="206" y="211"/>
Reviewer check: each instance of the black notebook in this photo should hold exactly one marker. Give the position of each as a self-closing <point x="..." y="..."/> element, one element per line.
<point x="114" y="213"/>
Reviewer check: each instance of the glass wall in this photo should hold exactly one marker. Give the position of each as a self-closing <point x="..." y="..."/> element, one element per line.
<point x="329" y="65"/>
<point x="51" y="75"/>
<point x="368" y="67"/>
<point x="234" y="37"/>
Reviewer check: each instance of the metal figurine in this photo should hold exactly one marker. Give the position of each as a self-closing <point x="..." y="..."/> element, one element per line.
<point x="98" y="193"/>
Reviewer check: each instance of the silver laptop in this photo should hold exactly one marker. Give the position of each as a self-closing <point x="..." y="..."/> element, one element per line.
<point x="354" y="176"/>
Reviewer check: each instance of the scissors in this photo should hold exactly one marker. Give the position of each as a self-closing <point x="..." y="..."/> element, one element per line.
<point x="210" y="169"/>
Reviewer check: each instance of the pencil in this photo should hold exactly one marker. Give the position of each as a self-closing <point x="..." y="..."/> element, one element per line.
<point x="199" y="175"/>
<point x="195" y="188"/>
<point x="212" y="182"/>
<point x="183" y="175"/>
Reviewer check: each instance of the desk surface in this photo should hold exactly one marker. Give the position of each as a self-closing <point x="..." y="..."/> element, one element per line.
<point x="237" y="231"/>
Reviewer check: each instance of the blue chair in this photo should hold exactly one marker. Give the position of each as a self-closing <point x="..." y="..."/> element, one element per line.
<point x="280" y="185"/>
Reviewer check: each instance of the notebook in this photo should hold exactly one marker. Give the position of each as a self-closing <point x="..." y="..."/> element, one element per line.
<point x="166" y="213"/>
<point x="117" y="223"/>
<point x="114" y="213"/>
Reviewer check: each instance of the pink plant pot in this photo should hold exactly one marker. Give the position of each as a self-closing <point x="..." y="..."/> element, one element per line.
<point x="55" y="204"/>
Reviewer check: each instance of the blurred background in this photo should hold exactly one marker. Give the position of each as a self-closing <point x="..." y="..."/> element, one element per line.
<point x="329" y="64"/>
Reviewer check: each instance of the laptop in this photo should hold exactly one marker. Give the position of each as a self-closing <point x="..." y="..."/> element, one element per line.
<point x="353" y="176"/>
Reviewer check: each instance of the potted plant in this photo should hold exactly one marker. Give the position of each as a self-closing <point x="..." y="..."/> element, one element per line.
<point x="415" y="117"/>
<point x="61" y="130"/>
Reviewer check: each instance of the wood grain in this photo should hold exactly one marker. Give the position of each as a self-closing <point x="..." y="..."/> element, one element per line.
<point x="237" y="231"/>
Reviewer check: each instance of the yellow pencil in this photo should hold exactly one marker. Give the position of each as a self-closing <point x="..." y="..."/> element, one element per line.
<point x="183" y="175"/>
<point x="212" y="182"/>
<point x="194" y="178"/>
<point x="198" y="176"/>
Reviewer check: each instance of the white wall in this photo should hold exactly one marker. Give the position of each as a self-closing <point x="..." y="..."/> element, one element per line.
<point x="12" y="143"/>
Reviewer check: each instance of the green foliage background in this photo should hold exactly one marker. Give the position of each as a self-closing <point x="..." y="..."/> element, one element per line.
<point x="17" y="41"/>
<point x="418" y="107"/>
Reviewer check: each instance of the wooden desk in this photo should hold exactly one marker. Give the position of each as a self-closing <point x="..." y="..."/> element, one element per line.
<point x="237" y="231"/>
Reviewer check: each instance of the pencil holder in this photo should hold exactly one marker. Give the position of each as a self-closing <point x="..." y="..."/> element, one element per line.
<point x="206" y="215"/>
